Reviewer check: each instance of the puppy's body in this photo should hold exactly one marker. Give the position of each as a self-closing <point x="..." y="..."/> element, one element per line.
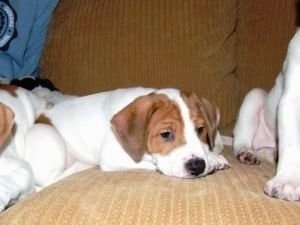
<point x="134" y="128"/>
<point x="269" y="122"/>
<point x="84" y="123"/>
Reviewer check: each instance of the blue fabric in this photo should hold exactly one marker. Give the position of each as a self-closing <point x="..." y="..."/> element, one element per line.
<point x="23" y="30"/>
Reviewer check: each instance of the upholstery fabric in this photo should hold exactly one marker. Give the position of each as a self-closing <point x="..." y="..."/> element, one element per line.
<point x="233" y="196"/>
<point x="104" y="44"/>
<point x="264" y="30"/>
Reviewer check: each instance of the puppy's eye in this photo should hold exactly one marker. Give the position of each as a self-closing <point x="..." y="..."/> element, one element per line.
<point x="199" y="130"/>
<point x="167" y="136"/>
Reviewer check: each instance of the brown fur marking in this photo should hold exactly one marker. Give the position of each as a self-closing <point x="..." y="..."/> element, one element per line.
<point x="11" y="89"/>
<point x="43" y="119"/>
<point x="166" y="118"/>
<point x="140" y="124"/>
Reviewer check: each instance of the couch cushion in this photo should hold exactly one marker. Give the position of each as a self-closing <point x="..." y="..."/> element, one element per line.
<point x="92" y="197"/>
<point x="264" y="31"/>
<point x="104" y="44"/>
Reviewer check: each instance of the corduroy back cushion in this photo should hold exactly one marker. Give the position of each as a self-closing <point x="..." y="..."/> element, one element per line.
<point x="92" y="197"/>
<point x="98" y="45"/>
<point x="264" y="30"/>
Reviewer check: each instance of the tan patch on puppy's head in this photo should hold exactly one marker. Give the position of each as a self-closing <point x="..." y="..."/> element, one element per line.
<point x="150" y="123"/>
<point x="11" y="89"/>
<point x="205" y="116"/>
<point x="6" y="122"/>
<point x="165" y="129"/>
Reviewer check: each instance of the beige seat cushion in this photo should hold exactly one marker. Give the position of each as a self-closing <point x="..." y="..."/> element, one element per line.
<point x="92" y="197"/>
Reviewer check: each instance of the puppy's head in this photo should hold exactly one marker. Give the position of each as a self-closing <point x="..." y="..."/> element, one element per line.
<point x="177" y="129"/>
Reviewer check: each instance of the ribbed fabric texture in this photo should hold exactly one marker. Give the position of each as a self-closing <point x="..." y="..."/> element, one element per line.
<point x="106" y="44"/>
<point x="234" y="196"/>
<point x="264" y="30"/>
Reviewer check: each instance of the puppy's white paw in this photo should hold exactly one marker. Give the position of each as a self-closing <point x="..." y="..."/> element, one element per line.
<point x="8" y="192"/>
<point x="284" y="186"/>
<point x="222" y="163"/>
<point x="218" y="162"/>
<point x="2" y="207"/>
<point x="247" y="156"/>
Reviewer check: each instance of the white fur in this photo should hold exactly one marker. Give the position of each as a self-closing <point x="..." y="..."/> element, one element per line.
<point x="16" y="177"/>
<point x="267" y="117"/>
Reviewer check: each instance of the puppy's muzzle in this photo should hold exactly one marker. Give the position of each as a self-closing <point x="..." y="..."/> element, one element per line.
<point x="195" y="166"/>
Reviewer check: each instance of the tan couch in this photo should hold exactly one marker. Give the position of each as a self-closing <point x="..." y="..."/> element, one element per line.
<point x="219" y="49"/>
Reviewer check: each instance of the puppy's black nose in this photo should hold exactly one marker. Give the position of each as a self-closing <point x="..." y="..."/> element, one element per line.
<point x="195" y="166"/>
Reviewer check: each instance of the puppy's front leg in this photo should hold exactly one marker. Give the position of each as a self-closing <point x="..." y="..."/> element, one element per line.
<point x="16" y="180"/>
<point x="246" y="126"/>
<point x="286" y="184"/>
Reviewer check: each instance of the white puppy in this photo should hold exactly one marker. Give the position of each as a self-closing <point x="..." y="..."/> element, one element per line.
<point x="19" y="109"/>
<point x="135" y="128"/>
<point x="269" y="122"/>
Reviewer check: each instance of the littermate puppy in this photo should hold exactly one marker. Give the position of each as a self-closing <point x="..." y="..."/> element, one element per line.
<point x="166" y="130"/>
<point x="268" y="127"/>
<point x="19" y="109"/>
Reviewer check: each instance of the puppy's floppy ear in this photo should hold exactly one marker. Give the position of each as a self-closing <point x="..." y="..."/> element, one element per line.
<point x="211" y="115"/>
<point x="131" y="123"/>
<point x="6" y="122"/>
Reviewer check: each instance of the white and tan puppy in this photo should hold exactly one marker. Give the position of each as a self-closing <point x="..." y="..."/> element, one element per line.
<point x="138" y="128"/>
<point x="135" y="128"/>
<point x="269" y="122"/>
